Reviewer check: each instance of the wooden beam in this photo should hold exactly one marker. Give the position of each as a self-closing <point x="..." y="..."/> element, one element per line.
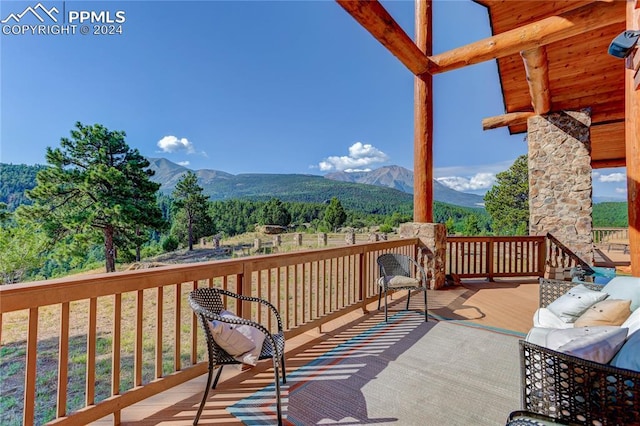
<point x="540" y="33"/>
<point x="606" y="164"/>
<point x="510" y="119"/>
<point x="632" y="136"/>
<point x="423" y="121"/>
<point x="536" y="67"/>
<point x="375" y="19"/>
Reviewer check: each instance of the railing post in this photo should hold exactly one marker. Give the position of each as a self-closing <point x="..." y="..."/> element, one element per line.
<point x="363" y="278"/>
<point x="542" y="256"/>
<point x="490" y="259"/>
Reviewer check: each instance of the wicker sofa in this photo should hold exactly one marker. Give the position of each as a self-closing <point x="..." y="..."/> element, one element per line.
<point x="573" y="389"/>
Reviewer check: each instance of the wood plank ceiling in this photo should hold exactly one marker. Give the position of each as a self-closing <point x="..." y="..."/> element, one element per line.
<point x="580" y="73"/>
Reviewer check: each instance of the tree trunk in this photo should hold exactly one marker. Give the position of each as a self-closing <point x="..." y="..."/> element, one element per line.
<point x="109" y="250"/>
<point x="190" y="234"/>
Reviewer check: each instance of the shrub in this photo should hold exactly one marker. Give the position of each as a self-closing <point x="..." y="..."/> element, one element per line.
<point x="169" y="243"/>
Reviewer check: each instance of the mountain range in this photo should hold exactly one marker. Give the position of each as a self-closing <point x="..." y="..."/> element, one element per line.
<point x="391" y="184"/>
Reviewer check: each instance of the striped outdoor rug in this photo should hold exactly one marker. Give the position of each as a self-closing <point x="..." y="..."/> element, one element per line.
<point x="405" y="372"/>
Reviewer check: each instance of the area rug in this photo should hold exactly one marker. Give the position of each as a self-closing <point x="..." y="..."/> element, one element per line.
<point x="404" y="372"/>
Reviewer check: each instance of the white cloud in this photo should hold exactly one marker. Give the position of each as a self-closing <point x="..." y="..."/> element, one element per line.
<point x="477" y="182"/>
<point x="173" y="144"/>
<point x="183" y="163"/>
<point x="613" y="177"/>
<point x="360" y="157"/>
<point x="621" y="190"/>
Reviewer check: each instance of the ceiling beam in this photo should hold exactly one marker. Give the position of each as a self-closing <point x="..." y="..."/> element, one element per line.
<point x="607" y="164"/>
<point x="536" y="67"/>
<point x="540" y="33"/>
<point x="375" y="19"/>
<point x="510" y="119"/>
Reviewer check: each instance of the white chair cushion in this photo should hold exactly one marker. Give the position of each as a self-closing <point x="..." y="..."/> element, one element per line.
<point x="544" y="318"/>
<point x="573" y="303"/>
<point x="402" y="281"/>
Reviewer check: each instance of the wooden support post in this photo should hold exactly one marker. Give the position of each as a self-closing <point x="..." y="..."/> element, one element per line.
<point x="537" y="68"/>
<point x="632" y="137"/>
<point x="423" y="121"/>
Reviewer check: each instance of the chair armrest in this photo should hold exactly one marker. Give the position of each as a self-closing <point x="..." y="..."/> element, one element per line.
<point x="576" y="390"/>
<point x="264" y="302"/>
<point x="550" y="290"/>
<point x="420" y="269"/>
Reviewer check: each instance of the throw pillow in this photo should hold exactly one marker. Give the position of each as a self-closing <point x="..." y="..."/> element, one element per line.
<point x="633" y="322"/>
<point x="624" y="288"/>
<point x="573" y="303"/>
<point x="598" y="344"/>
<point x="254" y="335"/>
<point x="230" y="339"/>
<point x="605" y="312"/>
<point x="629" y="356"/>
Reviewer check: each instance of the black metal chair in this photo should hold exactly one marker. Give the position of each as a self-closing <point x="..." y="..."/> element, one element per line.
<point x="401" y="272"/>
<point x="207" y="303"/>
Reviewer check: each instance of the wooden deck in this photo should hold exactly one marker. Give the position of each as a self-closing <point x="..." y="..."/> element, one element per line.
<point x="506" y="306"/>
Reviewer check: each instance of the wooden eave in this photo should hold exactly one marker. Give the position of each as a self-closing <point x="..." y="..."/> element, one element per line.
<point x="580" y="74"/>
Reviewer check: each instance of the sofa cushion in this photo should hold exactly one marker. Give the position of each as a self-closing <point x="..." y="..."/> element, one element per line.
<point x="633" y="322"/>
<point x="573" y="303"/>
<point x="598" y="344"/>
<point x="544" y="318"/>
<point x="629" y="355"/>
<point x="624" y="288"/>
<point x="605" y="312"/>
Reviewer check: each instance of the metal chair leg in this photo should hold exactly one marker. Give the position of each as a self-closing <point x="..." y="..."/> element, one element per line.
<point x="206" y="393"/>
<point x="379" y="296"/>
<point x="277" y="389"/>
<point x="284" y="370"/>
<point x="408" y="298"/>
<point x="385" y="305"/>
<point x="426" y="314"/>
<point x="215" y="382"/>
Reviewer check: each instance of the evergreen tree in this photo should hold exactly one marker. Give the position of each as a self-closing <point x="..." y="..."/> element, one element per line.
<point x="274" y="213"/>
<point x="193" y="204"/>
<point x="96" y="188"/>
<point x="508" y="201"/>
<point x="335" y="215"/>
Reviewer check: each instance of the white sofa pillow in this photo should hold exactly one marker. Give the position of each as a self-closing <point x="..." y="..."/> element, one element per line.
<point x="573" y="303"/>
<point x="544" y="318"/>
<point x="598" y="344"/>
<point x="624" y="288"/>
<point x="228" y="338"/>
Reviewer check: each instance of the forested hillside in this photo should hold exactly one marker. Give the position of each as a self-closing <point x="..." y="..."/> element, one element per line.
<point x="610" y="215"/>
<point x="14" y="180"/>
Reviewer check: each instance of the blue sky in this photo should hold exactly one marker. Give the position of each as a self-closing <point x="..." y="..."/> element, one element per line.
<point x="253" y="87"/>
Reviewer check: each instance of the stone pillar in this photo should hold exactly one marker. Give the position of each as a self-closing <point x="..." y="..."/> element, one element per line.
<point x="297" y="239"/>
<point x="257" y="244"/>
<point x="203" y="242"/>
<point x="277" y="240"/>
<point x="433" y="236"/>
<point x="322" y="239"/>
<point x="560" y="187"/>
<point x="216" y="242"/>
<point x="374" y="237"/>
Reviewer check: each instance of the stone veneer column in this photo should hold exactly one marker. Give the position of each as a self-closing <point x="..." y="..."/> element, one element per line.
<point x="560" y="186"/>
<point x="433" y="236"/>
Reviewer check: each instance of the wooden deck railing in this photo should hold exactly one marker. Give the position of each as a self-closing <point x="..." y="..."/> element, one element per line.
<point x="475" y="257"/>
<point x="603" y="235"/>
<point x="120" y="338"/>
